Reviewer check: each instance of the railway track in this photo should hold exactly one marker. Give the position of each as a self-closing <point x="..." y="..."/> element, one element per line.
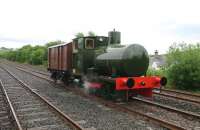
<point x="32" y="110"/>
<point x="186" y="113"/>
<point x="179" y="95"/>
<point x="8" y="118"/>
<point x="172" y="109"/>
<point x="164" y="123"/>
<point x="182" y="92"/>
<point x="194" y="98"/>
<point x="36" y="71"/>
<point x="133" y="108"/>
<point x="184" y="96"/>
<point x="107" y="118"/>
<point x="164" y="113"/>
<point x="27" y="67"/>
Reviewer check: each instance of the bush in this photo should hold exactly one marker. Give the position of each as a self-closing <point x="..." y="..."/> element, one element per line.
<point x="184" y="66"/>
<point x="153" y="72"/>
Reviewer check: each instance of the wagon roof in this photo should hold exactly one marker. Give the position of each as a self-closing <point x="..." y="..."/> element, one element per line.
<point x="58" y="45"/>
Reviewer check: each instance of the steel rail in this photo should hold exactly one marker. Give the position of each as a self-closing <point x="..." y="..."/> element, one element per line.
<point x="167" y="90"/>
<point x="23" y="66"/>
<point x="43" y="73"/>
<point x="168" y="108"/>
<point x="181" y="98"/>
<point x="40" y="72"/>
<point x="163" y="123"/>
<point x="172" y="96"/>
<point x="45" y="78"/>
<point x="54" y="108"/>
<point x="12" y="110"/>
<point x="181" y="92"/>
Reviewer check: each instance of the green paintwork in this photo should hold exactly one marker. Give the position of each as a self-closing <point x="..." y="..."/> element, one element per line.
<point x="109" y="57"/>
<point x="85" y="58"/>
<point x="115" y="37"/>
<point x="129" y="60"/>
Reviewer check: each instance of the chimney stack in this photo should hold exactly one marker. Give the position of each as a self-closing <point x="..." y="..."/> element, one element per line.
<point x="156" y="52"/>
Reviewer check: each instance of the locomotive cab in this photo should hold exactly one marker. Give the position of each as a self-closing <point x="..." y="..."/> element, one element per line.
<point x="87" y="48"/>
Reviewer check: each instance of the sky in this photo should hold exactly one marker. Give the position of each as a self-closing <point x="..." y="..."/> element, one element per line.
<point x="155" y="24"/>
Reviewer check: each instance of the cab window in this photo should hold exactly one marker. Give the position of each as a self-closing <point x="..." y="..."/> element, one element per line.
<point x="89" y="43"/>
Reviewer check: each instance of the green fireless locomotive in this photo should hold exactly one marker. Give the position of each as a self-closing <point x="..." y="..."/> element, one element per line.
<point x="109" y="68"/>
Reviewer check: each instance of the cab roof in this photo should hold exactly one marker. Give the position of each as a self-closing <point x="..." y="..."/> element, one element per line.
<point x="74" y="39"/>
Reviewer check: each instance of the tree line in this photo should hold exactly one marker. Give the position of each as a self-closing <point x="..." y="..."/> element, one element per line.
<point x="35" y="55"/>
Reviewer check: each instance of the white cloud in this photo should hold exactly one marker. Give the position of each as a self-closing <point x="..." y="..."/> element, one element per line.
<point x="151" y="23"/>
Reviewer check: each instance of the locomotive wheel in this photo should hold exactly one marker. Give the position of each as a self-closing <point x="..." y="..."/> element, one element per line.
<point x="107" y="92"/>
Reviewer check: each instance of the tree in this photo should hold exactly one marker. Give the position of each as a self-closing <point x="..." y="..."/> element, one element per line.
<point x="53" y="43"/>
<point x="90" y="33"/>
<point x="33" y="55"/>
<point x="184" y="66"/>
<point x="26" y="51"/>
<point x="23" y="54"/>
<point x="11" y="55"/>
<point x="80" y="34"/>
<point x="37" y="56"/>
<point x="4" y="52"/>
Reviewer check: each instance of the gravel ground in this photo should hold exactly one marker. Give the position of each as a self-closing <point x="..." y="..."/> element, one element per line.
<point x="179" y="104"/>
<point x="182" y="120"/>
<point x="86" y="112"/>
<point x="32" y="112"/>
<point x="184" y="96"/>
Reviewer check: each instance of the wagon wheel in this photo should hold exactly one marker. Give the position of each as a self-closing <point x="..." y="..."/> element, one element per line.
<point x="65" y="79"/>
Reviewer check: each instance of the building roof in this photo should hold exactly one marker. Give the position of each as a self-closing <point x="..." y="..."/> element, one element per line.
<point x="160" y="60"/>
